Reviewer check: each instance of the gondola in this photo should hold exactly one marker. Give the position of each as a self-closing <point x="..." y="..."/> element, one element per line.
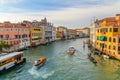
<point x="92" y="59"/>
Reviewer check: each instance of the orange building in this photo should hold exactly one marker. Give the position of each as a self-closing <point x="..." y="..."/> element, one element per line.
<point x="15" y="34"/>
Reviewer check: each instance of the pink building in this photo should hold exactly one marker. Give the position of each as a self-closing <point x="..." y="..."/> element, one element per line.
<point x="15" y="34"/>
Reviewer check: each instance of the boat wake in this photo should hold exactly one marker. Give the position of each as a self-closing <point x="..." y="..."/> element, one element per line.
<point x="46" y="75"/>
<point x="33" y="71"/>
<point x="43" y="73"/>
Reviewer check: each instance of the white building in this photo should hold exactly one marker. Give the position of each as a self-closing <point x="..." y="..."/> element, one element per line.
<point x="53" y="34"/>
<point x="47" y="31"/>
<point x="93" y="34"/>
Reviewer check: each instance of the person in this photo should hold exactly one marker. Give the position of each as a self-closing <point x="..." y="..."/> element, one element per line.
<point x="35" y="62"/>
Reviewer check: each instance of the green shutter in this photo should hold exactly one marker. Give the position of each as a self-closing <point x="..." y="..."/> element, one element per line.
<point x="98" y="38"/>
<point x="102" y="38"/>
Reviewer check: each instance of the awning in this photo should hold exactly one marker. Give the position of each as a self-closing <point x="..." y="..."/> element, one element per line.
<point x="102" y="38"/>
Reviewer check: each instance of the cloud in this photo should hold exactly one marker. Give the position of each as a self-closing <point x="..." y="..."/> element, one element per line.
<point x="71" y="17"/>
<point x="78" y="3"/>
<point x="3" y="2"/>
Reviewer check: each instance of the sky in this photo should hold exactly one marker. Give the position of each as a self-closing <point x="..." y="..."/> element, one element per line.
<point x="68" y="13"/>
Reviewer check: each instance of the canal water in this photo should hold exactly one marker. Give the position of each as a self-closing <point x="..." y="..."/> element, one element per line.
<point x="61" y="66"/>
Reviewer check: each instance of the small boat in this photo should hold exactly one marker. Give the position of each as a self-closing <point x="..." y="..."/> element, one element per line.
<point x="39" y="62"/>
<point x="71" y="50"/>
<point x="105" y="56"/>
<point x="92" y="59"/>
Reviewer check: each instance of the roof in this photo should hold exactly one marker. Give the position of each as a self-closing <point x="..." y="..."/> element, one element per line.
<point x="98" y="21"/>
<point x="109" y="19"/>
<point x="10" y="55"/>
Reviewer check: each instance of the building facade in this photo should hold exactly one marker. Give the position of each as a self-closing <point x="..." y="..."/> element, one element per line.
<point x="93" y="34"/>
<point x="47" y="31"/>
<point x="108" y="36"/>
<point x="15" y="34"/>
<point x="83" y="32"/>
<point x="71" y="34"/>
<point x="53" y="34"/>
<point x="61" y="33"/>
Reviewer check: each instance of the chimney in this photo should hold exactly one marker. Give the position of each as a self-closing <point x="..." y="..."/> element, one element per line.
<point x="117" y="17"/>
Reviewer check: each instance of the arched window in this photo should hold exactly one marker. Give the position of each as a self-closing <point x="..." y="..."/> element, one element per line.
<point x="7" y="36"/>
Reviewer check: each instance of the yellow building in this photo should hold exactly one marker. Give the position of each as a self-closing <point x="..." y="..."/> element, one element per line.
<point x="35" y="35"/>
<point x="108" y="36"/>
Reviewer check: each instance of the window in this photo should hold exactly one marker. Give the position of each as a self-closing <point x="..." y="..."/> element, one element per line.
<point x="118" y="48"/>
<point x="16" y="29"/>
<point x="118" y="52"/>
<point x="109" y="39"/>
<point x="1" y="36"/>
<point x="114" y="47"/>
<point x="114" y="53"/>
<point x="7" y="36"/>
<point x="100" y="30"/>
<point x="97" y="37"/>
<point x="110" y="29"/>
<point x="106" y="30"/>
<point x="119" y="40"/>
<point x="7" y="29"/>
<point x="97" y="43"/>
<point x="105" y="39"/>
<point x="114" y="40"/>
<point x="115" y="29"/>
<point x="109" y="47"/>
<point x="19" y="36"/>
<point x="105" y="46"/>
<point x="16" y="36"/>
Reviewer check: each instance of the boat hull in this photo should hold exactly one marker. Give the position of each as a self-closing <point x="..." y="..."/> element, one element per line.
<point x="43" y="60"/>
<point x="13" y="65"/>
<point x="92" y="59"/>
<point x="71" y="53"/>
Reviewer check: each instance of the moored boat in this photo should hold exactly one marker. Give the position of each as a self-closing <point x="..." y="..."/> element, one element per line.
<point x="71" y="50"/>
<point x="92" y="59"/>
<point x="105" y="56"/>
<point x="39" y="62"/>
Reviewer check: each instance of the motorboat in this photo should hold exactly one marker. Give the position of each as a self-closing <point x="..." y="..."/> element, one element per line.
<point x="105" y="56"/>
<point x="71" y="50"/>
<point x="39" y="62"/>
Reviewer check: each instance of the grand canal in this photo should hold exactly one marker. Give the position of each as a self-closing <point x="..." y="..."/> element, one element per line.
<point x="61" y="66"/>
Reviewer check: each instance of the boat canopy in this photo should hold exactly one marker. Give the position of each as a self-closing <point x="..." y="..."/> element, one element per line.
<point x="10" y="55"/>
<point x="41" y="58"/>
<point x="71" y="47"/>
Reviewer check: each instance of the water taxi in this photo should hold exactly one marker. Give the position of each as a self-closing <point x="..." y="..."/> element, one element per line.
<point x="71" y="50"/>
<point x="8" y="61"/>
<point x="39" y="62"/>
